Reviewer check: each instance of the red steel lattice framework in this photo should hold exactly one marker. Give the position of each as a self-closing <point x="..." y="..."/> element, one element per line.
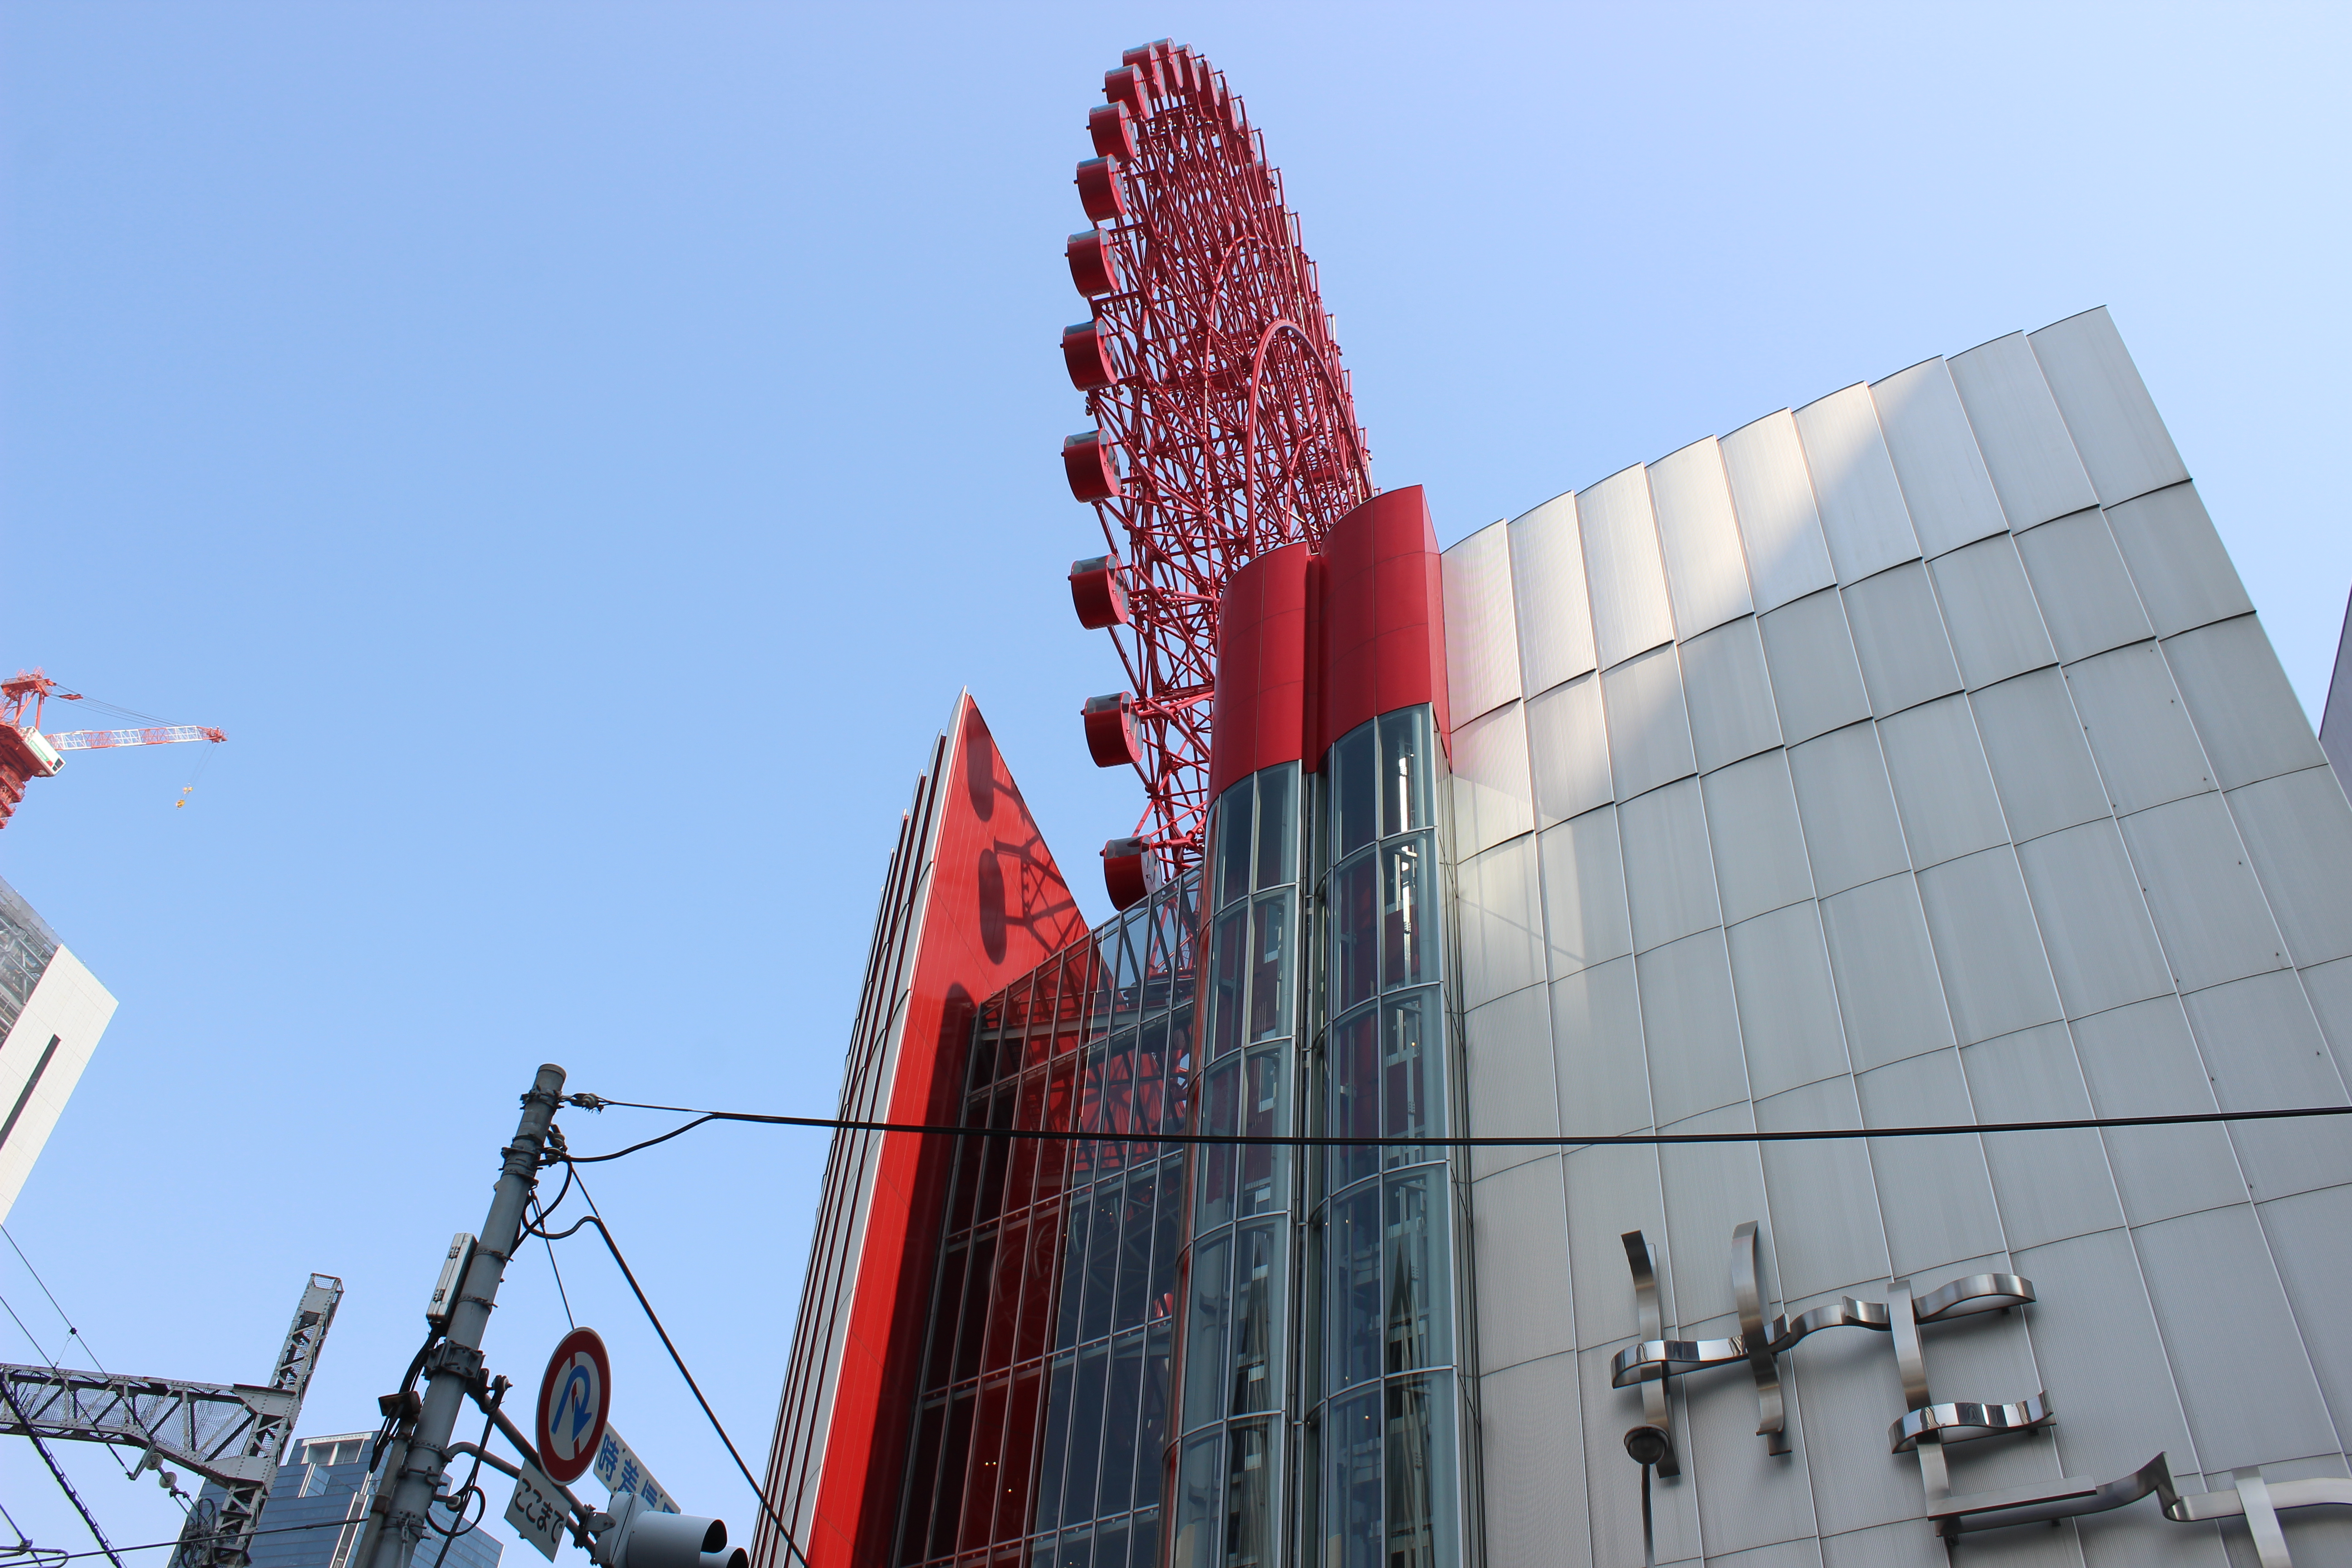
<point x="1223" y="423"/>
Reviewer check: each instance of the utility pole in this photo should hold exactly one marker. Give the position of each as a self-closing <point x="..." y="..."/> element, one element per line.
<point x="456" y="1362"/>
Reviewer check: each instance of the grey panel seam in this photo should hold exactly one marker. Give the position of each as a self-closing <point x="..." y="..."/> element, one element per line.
<point x="32" y="1083"/>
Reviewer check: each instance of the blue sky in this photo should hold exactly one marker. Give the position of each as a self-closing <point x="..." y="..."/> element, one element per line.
<point x="579" y="451"/>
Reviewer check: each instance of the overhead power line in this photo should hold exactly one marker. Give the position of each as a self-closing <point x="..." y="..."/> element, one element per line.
<point x="57" y="1473"/>
<point x="47" y="1556"/>
<point x="73" y="1333"/>
<point x="595" y="1216"/>
<point x="1315" y="1141"/>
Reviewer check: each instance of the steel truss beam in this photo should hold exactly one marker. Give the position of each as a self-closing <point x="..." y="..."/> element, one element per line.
<point x="234" y="1434"/>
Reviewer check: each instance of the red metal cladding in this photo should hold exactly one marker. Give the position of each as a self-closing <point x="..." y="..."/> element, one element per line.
<point x="1383" y="617"/>
<point x="1096" y="592"/>
<point x="1100" y="191"/>
<point x="1131" y="87"/>
<point x="1113" y="132"/>
<point x="1094" y="268"/>
<point x="1308" y="647"/>
<point x="993" y="907"/>
<point x="1092" y="466"/>
<point x="1263" y="636"/>
<point x="1086" y="351"/>
<point x="1111" y="730"/>
<point x="1234" y="428"/>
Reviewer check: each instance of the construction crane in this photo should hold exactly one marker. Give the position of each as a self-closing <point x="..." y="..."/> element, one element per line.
<point x="26" y="753"/>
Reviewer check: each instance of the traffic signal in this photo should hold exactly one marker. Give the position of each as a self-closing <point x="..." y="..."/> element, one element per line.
<point x="640" y="1536"/>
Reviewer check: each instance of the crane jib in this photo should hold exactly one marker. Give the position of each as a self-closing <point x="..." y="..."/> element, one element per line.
<point x="158" y="735"/>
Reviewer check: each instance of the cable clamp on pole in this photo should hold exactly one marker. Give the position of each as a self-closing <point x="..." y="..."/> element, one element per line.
<point x="466" y="1361"/>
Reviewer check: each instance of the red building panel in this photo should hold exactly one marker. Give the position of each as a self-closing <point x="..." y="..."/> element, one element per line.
<point x="1308" y="646"/>
<point x="1262" y="638"/>
<point x="987" y="905"/>
<point x="1383" y="616"/>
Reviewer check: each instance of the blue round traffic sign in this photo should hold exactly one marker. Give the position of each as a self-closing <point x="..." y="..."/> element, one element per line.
<point x="575" y="1398"/>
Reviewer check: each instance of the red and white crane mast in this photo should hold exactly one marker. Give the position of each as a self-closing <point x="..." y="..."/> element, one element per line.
<point x="26" y="753"/>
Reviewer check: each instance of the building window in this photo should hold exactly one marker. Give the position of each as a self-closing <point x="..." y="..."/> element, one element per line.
<point x="1238" y="1407"/>
<point x="1388" y="1418"/>
<point x="1046" y="1397"/>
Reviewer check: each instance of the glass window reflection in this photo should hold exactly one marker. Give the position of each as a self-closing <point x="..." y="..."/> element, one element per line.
<point x="1067" y="1250"/>
<point x="1386" y="1444"/>
<point x="1234" y="816"/>
<point x="1277" y="818"/>
<point x="1407" y="947"/>
<point x="1270" y="967"/>
<point x="1355" y="793"/>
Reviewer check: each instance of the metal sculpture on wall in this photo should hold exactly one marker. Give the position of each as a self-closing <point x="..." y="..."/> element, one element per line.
<point x="1758" y="1346"/>
<point x="1927" y="1426"/>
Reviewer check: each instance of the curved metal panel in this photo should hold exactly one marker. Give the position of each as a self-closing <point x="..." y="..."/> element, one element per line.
<point x="1728" y="694"/>
<point x="1482" y="653"/>
<point x="1944" y="485"/>
<point x="1898" y="634"/>
<point x="1630" y="612"/>
<point x="2086" y="596"/>
<point x="1989" y="610"/>
<point x="1943" y="787"/>
<point x="1567" y="749"/>
<point x="2184" y="575"/>
<point x="2113" y="422"/>
<point x="1780" y="525"/>
<point x="1861" y="507"/>
<point x="1816" y="682"/>
<point x="2026" y="448"/>
<point x="1555" y="614"/>
<point x="1707" y="571"/>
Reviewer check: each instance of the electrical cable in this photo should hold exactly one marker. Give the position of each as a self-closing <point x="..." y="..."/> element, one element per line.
<point x="129" y="1474"/>
<point x="540" y="1222"/>
<point x="1314" y="1141"/>
<point x="47" y="1359"/>
<point x="456" y="1500"/>
<point x="57" y="1472"/>
<point x="24" y="1547"/>
<point x="595" y="1218"/>
<point x="555" y="1143"/>
<point x="377" y="1445"/>
<point x="62" y="1315"/>
<point x="702" y="1118"/>
<point x="160" y="1546"/>
<point x="116" y="708"/>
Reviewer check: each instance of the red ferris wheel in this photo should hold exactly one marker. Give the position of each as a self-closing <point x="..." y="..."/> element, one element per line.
<point x="1223" y="426"/>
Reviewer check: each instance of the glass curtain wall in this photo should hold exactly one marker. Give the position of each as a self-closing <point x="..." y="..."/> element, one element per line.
<point x="1388" y="1394"/>
<point x="1238" y="1403"/>
<point x="1045" y="1383"/>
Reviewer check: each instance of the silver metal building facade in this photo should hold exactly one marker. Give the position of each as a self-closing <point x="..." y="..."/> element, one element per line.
<point x="1914" y="757"/>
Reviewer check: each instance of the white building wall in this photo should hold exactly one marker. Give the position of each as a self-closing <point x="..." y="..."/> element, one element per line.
<point x="1913" y="758"/>
<point x="69" y="1009"/>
